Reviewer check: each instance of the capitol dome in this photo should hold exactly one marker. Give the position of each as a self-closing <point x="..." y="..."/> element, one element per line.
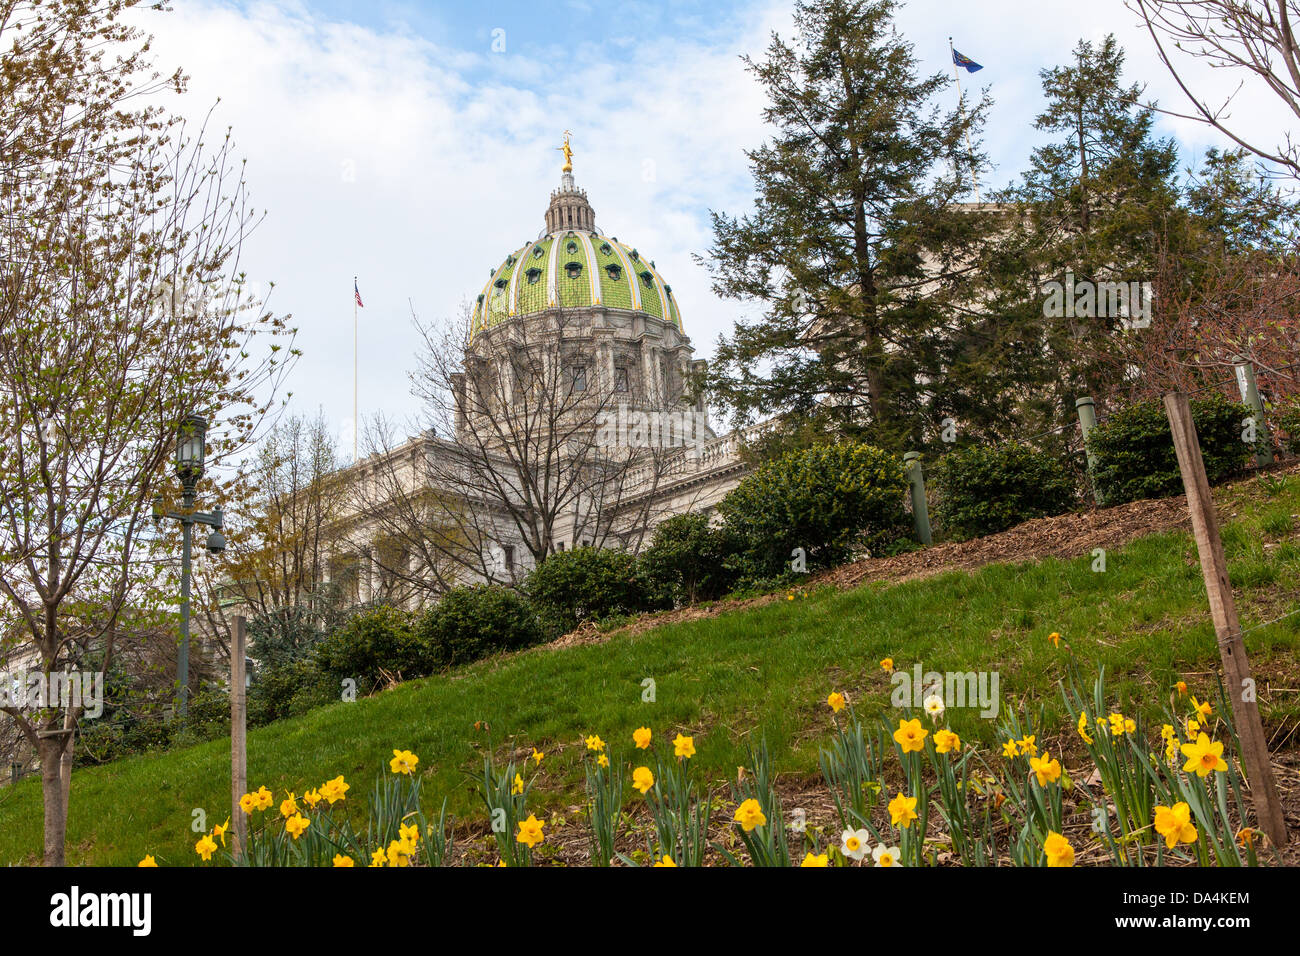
<point x="571" y="265"/>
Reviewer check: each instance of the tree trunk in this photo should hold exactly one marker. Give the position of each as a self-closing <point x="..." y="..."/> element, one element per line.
<point x="56" y="824"/>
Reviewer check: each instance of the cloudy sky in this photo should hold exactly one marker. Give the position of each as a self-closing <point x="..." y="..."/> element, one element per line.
<point x="413" y="144"/>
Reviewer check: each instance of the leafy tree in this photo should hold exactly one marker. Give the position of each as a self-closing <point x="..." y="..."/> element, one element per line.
<point x="122" y="310"/>
<point x="854" y="249"/>
<point x="1238" y="207"/>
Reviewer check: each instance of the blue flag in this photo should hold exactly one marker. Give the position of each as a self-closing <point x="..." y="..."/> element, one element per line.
<point x="970" y="65"/>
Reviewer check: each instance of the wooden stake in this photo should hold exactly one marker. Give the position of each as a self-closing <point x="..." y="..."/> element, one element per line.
<point x="1236" y="666"/>
<point x="238" y="739"/>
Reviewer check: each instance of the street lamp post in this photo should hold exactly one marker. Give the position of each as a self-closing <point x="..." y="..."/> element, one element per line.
<point x="191" y="436"/>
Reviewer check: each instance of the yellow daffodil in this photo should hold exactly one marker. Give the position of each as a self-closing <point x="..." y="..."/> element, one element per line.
<point x="220" y="831"/>
<point x="1027" y="745"/>
<point x="537" y="756"/>
<point x="518" y="785"/>
<point x="910" y="735"/>
<point x="1118" y="725"/>
<point x="812" y="859"/>
<point x="1055" y="638"/>
<point x="1045" y="769"/>
<point x="334" y="790"/>
<point x="643" y="779"/>
<point x="295" y="825"/>
<point x="148" y="861"/>
<point x="206" y="847"/>
<point x="378" y="858"/>
<point x="400" y="853"/>
<point x="1245" y="837"/>
<point x="1082" y="728"/>
<point x="836" y="701"/>
<point x="403" y="762"/>
<point x="749" y="815"/>
<point x="311" y="798"/>
<point x="1204" y="709"/>
<point x="602" y="760"/>
<point x="341" y="860"/>
<point x="410" y="833"/>
<point x="1181" y="687"/>
<point x="263" y="799"/>
<point x="530" y="832"/>
<point x="248" y="802"/>
<point x="945" y="740"/>
<point x="594" y="743"/>
<point x="288" y="806"/>
<point x="1175" y="824"/>
<point x="1010" y="749"/>
<point x="887" y="665"/>
<point x="641" y="737"/>
<point x="683" y="746"/>
<point x="1166" y="731"/>
<point x="1058" y="850"/>
<point x="902" y="811"/>
<point x="664" y="861"/>
<point x="1203" y="756"/>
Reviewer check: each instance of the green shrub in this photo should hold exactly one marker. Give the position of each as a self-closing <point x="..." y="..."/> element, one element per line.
<point x="1134" y="449"/>
<point x="585" y="584"/>
<point x="469" y="623"/>
<point x="1287" y="423"/>
<point x="829" y="500"/>
<point x="288" y="690"/>
<point x="986" y="489"/>
<point x="379" y="638"/>
<point x="685" y="561"/>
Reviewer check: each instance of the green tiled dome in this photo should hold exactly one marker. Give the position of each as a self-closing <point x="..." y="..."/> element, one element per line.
<point x="573" y="269"/>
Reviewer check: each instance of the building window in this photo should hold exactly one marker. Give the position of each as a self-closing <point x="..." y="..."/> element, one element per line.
<point x="647" y="278"/>
<point x="533" y="274"/>
<point x="579" y="378"/>
<point x="614" y="271"/>
<point x="620" y="379"/>
<point x="573" y="269"/>
<point x="571" y="247"/>
<point x="510" y="558"/>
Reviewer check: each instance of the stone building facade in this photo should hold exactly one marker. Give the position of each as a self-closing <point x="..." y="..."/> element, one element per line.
<point x="577" y="307"/>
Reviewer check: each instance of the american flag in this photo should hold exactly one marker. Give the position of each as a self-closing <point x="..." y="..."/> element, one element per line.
<point x="357" y="293"/>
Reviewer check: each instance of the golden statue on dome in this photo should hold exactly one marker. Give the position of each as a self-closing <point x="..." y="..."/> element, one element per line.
<point x="567" y="150"/>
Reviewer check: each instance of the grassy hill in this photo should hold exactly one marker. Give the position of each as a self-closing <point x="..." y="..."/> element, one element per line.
<point x="764" y="669"/>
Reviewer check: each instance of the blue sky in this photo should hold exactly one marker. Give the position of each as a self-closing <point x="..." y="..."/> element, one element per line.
<point x="413" y="144"/>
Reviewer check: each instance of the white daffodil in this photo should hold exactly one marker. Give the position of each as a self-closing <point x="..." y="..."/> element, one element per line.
<point x="885" y="855"/>
<point x="854" y="843"/>
<point x="798" y="821"/>
<point x="933" y="706"/>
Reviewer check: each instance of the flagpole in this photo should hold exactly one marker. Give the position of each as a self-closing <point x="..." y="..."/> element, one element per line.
<point x="961" y="103"/>
<point x="355" y="424"/>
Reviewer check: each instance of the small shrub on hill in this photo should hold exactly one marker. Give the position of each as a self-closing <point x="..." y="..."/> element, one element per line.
<point x="986" y="489"/>
<point x="1135" y="450"/>
<point x="829" y="500"/>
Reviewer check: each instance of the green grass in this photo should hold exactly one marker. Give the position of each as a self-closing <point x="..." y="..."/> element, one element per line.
<point x="762" y="670"/>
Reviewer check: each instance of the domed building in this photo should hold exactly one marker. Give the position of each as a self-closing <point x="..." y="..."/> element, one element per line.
<point x="572" y="422"/>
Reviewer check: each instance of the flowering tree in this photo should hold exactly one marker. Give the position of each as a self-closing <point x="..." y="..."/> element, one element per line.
<point x="122" y="310"/>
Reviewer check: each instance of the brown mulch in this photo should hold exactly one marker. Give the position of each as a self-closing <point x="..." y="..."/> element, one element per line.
<point x="1065" y="536"/>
